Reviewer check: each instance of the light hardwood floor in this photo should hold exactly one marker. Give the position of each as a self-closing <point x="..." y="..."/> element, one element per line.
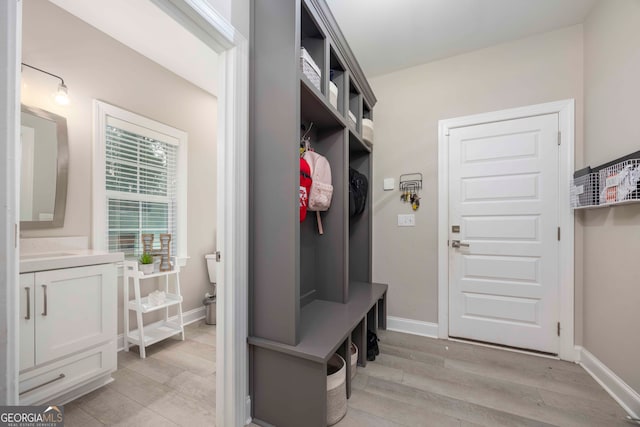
<point x="414" y="382"/>
<point x="420" y="381"/>
<point x="174" y="385"/>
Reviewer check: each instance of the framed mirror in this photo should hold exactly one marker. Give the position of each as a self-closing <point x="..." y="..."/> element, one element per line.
<point x="45" y="165"/>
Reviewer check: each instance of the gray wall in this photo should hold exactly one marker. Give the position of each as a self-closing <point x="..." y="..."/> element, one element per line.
<point x="612" y="236"/>
<point x="534" y="70"/>
<point x="96" y="66"/>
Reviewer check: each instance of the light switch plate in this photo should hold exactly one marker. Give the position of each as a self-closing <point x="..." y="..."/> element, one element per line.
<point x="407" y="220"/>
<point x="389" y="184"/>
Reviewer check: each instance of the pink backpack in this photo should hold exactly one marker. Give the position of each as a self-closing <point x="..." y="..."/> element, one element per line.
<point x="321" y="187"/>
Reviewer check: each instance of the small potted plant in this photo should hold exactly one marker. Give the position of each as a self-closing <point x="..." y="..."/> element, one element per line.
<point x="146" y="263"/>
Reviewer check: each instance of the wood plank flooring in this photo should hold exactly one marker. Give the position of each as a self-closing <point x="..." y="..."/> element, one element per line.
<point x="174" y="385"/>
<point x="415" y="381"/>
<point x="420" y="381"/>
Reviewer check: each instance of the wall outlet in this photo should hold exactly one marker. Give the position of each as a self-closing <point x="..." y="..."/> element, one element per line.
<point x="408" y="220"/>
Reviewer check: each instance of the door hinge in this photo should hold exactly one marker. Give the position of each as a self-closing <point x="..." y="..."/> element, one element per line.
<point x="558" y="233"/>
<point x="559" y="137"/>
<point x="558" y="328"/>
<point x="218" y="256"/>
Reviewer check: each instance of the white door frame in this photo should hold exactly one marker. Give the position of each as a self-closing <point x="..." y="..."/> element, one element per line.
<point x="199" y="17"/>
<point x="566" y="112"/>
<point x="10" y="54"/>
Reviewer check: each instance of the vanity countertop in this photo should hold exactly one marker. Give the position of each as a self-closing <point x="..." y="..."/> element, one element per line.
<point x="66" y="258"/>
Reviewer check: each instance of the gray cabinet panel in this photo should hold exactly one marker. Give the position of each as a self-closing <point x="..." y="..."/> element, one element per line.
<point x="296" y="394"/>
<point x="275" y="169"/>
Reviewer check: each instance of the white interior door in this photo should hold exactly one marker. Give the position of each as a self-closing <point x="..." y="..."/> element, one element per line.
<point x="503" y="204"/>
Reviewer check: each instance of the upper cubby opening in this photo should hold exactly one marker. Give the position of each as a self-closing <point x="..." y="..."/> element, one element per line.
<point x="337" y="76"/>
<point x="366" y="111"/>
<point x="355" y="106"/>
<point x="312" y="40"/>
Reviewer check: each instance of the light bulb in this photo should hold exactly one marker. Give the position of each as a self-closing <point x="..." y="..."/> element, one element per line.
<point x="62" y="96"/>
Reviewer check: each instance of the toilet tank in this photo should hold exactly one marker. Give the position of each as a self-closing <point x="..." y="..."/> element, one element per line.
<point x="211" y="267"/>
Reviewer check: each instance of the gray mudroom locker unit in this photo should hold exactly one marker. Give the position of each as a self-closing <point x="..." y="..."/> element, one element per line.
<point x="310" y="294"/>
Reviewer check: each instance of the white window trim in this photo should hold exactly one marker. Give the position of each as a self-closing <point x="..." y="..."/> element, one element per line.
<point x="102" y="110"/>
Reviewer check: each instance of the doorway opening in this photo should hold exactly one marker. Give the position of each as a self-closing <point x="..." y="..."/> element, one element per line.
<point x="216" y="34"/>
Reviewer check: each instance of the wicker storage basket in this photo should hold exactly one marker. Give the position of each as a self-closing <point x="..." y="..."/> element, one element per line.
<point x="354" y="359"/>
<point x="336" y="389"/>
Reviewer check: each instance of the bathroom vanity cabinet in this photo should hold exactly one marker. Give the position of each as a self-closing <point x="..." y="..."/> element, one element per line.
<point x="68" y="320"/>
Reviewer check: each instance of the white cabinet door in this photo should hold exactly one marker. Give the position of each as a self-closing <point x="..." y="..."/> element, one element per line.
<point x="75" y="309"/>
<point x="26" y="322"/>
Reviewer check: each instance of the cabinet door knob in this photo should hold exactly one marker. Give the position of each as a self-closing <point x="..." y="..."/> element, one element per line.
<point x="28" y="316"/>
<point x="44" y="293"/>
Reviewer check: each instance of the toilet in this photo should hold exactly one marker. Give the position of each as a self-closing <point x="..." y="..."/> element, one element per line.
<point x="210" y="298"/>
<point x="211" y="267"/>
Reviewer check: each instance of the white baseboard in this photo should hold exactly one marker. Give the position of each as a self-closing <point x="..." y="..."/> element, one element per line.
<point x="413" y="327"/>
<point x="627" y="397"/>
<point x="188" y="317"/>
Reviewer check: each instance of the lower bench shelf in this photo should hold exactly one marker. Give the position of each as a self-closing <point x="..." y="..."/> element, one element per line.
<point x="289" y="383"/>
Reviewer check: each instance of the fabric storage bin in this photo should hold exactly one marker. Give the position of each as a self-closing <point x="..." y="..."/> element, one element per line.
<point x="352" y="119"/>
<point x="367" y="130"/>
<point x="336" y="389"/>
<point x="333" y="95"/>
<point x="309" y="68"/>
<point x="354" y="359"/>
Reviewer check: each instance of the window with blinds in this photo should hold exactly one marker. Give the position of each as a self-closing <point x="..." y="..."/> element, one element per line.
<point x="141" y="186"/>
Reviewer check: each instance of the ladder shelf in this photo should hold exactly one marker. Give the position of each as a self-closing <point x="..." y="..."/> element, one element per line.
<point x="146" y="335"/>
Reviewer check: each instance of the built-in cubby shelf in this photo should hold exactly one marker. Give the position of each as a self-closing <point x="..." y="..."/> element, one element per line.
<point x="311" y="294"/>
<point x="338" y="76"/>
<point x="357" y="144"/>
<point x="367" y="112"/>
<point x="325" y="324"/>
<point x="313" y="40"/>
<point x="316" y="108"/>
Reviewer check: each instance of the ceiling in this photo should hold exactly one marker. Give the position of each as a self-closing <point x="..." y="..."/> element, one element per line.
<point x="145" y="28"/>
<point x="387" y="36"/>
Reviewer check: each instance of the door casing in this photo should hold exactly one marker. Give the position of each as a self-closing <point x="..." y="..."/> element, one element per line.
<point x="566" y="114"/>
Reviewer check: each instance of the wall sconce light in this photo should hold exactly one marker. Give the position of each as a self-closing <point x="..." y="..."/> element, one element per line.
<point x="62" y="95"/>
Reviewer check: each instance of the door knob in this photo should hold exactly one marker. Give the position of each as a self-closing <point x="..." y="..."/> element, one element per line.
<point x="458" y="244"/>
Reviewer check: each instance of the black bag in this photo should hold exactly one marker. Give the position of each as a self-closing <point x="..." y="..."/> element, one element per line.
<point x="372" y="346"/>
<point x="358" y="189"/>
